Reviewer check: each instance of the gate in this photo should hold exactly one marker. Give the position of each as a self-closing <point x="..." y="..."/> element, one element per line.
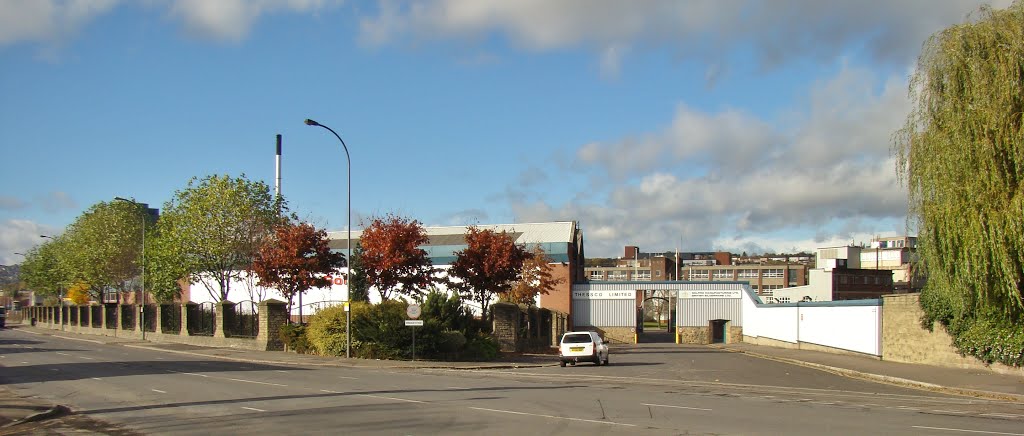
<point x="149" y="318"/>
<point x="201" y="318"/>
<point x="127" y="317"/>
<point x="170" y="318"/>
<point x="246" y="320"/>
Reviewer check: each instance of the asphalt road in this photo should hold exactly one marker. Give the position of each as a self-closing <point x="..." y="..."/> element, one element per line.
<point x="649" y="389"/>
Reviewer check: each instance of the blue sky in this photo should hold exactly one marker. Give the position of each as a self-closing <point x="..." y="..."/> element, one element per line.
<point x="701" y="125"/>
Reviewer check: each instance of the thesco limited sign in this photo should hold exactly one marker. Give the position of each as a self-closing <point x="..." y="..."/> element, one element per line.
<point x="603" y="295"/>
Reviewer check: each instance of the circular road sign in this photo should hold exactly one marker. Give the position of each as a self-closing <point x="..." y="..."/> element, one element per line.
<point x="413" y="311"/>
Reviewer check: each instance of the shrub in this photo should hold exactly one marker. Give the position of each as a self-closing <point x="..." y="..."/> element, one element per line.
<point x="380" y="330"/>
<point x="481" y="347"/>
<point x="326" y="331"/>
<point x="294" y="338"/>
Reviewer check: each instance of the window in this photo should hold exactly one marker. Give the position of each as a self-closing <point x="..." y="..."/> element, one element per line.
<point x="767" y="292"/>
<point x="878" y="280"/>
<point x="617" y="275"/>
<point x="657" y="273"/>
<point x="698" y="274"/>
<point x="642" y="275"/>
<point x="747" y="273"/>
<point x="773" y="273"/>
<point x="596" y="275"/>
<point x="783" y="299"/>
<point x="723" y="274"/>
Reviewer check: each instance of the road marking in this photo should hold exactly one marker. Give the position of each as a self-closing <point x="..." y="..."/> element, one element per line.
<point x="191" y="373"/>
<point x="391" y="398"/>
<point x="30" y="332"/>
<point x="158" y="391"/>
<point x="254" y="409"/>
<point x="349" y="378"/>
<point x="86" y="358"/>
<point x="955" y="412"/>
<point x="966" y="431"/>
<point x="24" y="363"/>
<point x="1002" y="415"/>
<point x="63" y="354"/>
<point x="281" y="371"/>
<point x="96" y="378"/>
<point x="51" y="369"/>
<point x="256" y="382"/>
<point x="676" y="407"/>
<point x="331" y="392"/>
<point x="456" y="387"/>
<point x="552" y="416"/>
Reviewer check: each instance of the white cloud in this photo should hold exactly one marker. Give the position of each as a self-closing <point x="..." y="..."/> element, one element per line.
<point x="18" y="236"/>
<point x="47" y="20"/>
<point x="706" y="178"/>
<point x="776" y="31"/>
<point x="232" y="19"/>
<point x="56" y="201"/>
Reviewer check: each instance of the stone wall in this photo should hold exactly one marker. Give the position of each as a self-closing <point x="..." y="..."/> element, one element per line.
<point x="702" y="335"/>
<point x="614" y="335"/>
<point x="272" y="316"/>
<point x="519" y="329"/>
<point x="905" y="340"/>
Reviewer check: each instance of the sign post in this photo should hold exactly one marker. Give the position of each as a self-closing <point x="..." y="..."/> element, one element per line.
<point x="414" y="312"/>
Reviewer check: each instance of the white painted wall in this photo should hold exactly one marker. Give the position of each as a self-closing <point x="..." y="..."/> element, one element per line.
<point x="246" y="290"/>
<point x="854" y="328"/>
<point x="839" y="325"/>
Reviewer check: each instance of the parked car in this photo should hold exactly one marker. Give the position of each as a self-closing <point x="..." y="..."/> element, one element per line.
<point x="582" y="346"/>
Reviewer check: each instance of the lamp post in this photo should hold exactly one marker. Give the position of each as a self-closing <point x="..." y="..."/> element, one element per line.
<point x="142" y="307"/>
<point x="348" y="245"/>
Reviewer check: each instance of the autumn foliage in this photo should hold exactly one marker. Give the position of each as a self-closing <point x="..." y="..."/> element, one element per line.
<point x="490" y="265"/>
<point x="391" y="258"/>
<point x="296" y="259"/>
<point x="78" y="293"/>
<point x="535" y="279"/>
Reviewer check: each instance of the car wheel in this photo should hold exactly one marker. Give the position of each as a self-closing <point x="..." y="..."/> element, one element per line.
<point x="606" y="360"/>
<point x="561" y="363"/>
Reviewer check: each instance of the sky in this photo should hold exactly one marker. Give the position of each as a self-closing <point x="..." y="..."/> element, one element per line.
<point x="744" y="126"/>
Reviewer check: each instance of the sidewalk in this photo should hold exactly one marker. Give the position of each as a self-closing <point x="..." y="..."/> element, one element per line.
<point x="970" y="382"/>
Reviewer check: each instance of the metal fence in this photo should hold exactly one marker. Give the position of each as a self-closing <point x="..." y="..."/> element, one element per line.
<point x="201" y="318"/>
<point x="127" y="317"/>
<point x="149" y="318"/>
<point x="246" y="320"/>
<point x="170" y="318"/>
<point x="96" y="316"/>
<point x="111" y="315"/>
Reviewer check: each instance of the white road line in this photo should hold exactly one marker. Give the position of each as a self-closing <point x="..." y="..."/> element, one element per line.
<point x="390" y="398"/>
<point x="349" y="378"/>
<point x="86" y="358"/>
<point x="1002" y="415"/>
<point x="51" y="369"/>
<point x="955" y="412"/>
<point x="553" y="417"/>
<point x="281" y="371"/>
<point x="331" y="392"/>
<point x="24" y="363"/>
<point x="96" y="378"/>
<point x="158" y="391"/>
<point x="676" y="407"/>
<point x="966" y="431"/>
<point x="256" y="382"/>
<point x="456" y="387"/>
<point x="192" y="373"/>
<point x="26" y="331"/>
<point x="63" y="354"/>
<point x="254" y="409"/>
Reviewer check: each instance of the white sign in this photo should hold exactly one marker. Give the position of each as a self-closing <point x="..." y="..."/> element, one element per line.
<point x="414" y="322"/>
<point x="732" y="293"/>
<point x="413" y="311"/>
<point x="603" y="295"/>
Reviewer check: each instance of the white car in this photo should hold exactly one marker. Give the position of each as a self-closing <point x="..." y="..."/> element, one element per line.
<point x="582" y="346"/>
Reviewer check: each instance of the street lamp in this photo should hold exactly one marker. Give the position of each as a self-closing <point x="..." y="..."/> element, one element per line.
<point x="348" y="246"/>
<point x="142" y="307"/>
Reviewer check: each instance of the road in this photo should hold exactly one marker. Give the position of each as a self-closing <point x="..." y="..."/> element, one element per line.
<point x="649" y="389"/>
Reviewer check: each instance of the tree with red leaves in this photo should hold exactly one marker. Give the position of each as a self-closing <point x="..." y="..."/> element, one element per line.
<point x="535" y="279"/>
<point x="296" y="259"/>
<point x="391" y="258"/>
<point x="490" y="264"/>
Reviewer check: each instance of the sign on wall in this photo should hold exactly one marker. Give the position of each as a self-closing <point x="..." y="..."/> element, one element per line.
<point x="731" y="293"/>
<point x="603" y="295"/>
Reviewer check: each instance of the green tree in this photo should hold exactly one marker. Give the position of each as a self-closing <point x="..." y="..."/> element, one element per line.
<point x="103" y="247"/>
<point x="535" y="279"/>
<point x="42" y="270"/>
<point x="214" y="228"/>
<point x="358" y="286"/>
<point x="961" y="154"/>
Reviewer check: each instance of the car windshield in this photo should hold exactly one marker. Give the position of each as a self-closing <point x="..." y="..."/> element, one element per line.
<point x="576" y="339"/>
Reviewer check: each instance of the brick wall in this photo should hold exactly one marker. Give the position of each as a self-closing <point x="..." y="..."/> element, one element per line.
<point x="904" y="340"/>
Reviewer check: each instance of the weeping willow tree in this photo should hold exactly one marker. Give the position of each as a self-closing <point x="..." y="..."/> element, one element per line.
<point x="961" y="155"/>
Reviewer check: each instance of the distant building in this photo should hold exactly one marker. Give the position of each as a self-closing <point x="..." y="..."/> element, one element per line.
<point x="897" y="254"/>
<point x="839" y="276"/>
